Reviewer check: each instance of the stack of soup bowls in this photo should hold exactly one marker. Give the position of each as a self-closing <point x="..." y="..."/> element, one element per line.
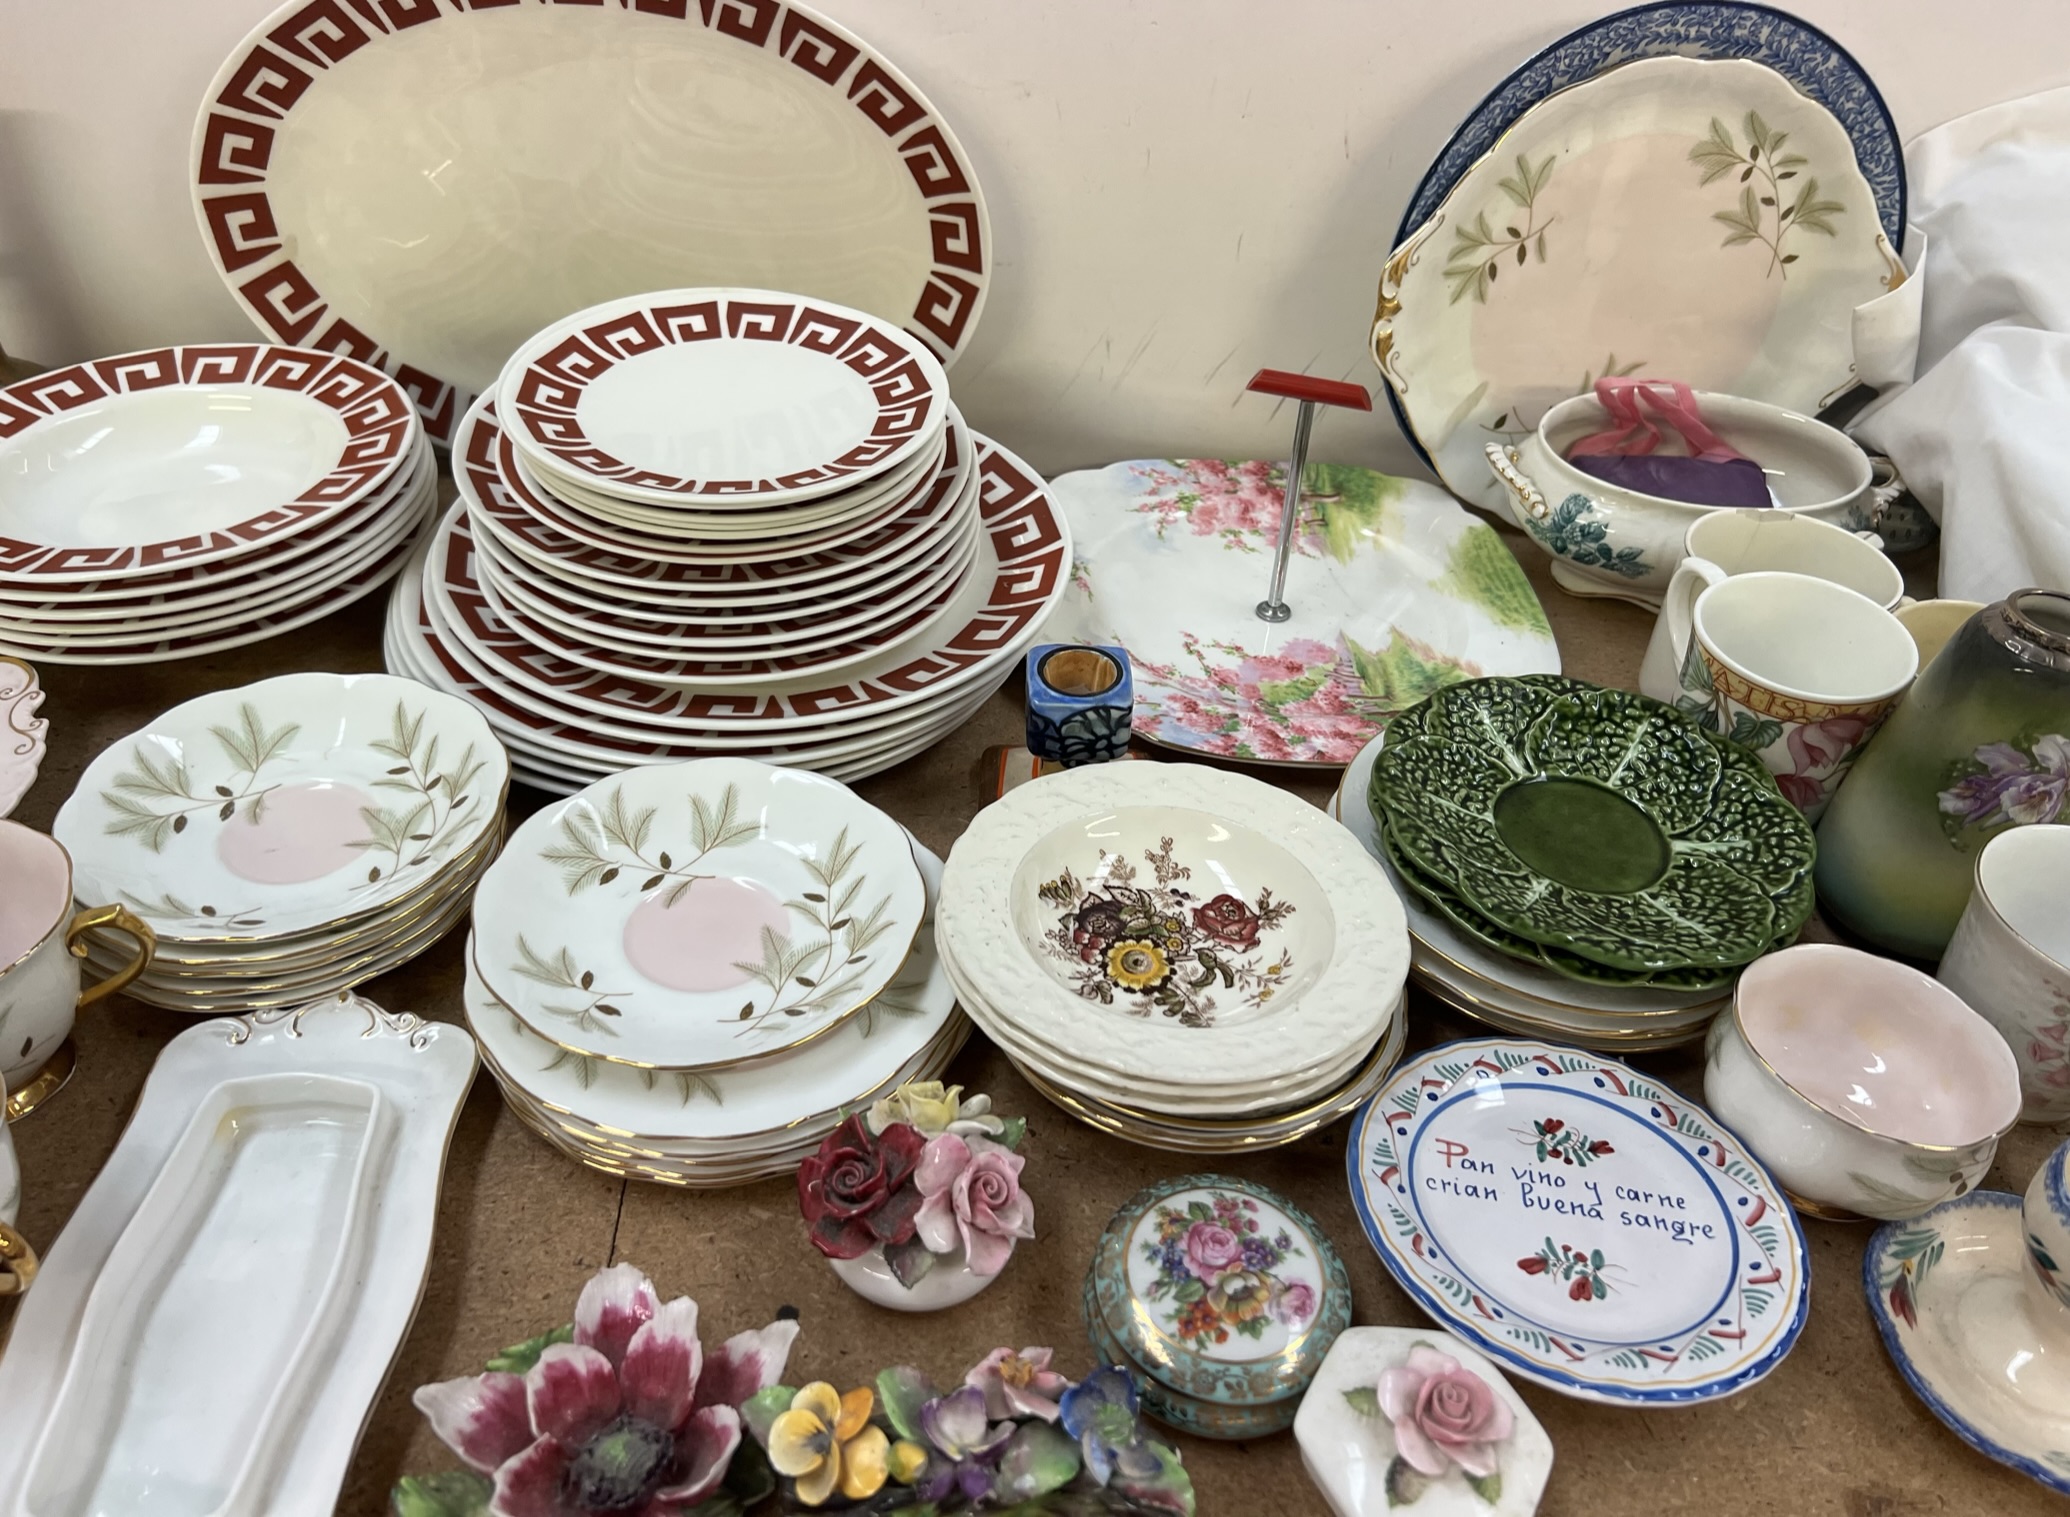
<point x="722" y="522"/>
<point x="687" y="973"/>
<point x="1189" y="959"/>
<point x="1582" y="864"/>
<point x="182" y="501"/>
<point x="287" y="839"/>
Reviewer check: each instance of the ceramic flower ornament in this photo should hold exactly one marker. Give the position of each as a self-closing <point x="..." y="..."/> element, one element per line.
<point x="989" y="1443"/>
<point x="827" y="1444"/>
<point x="621" y="1413"/>
<point x="1443" y="1415"/>
<point x="926" y="1177"/>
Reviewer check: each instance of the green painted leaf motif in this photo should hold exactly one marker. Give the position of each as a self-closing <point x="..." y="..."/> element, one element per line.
<point x="1888" y="1196"/>
<point x="902" y="1391"/>
<point x="1038" y="1459"/>
<point x="760" y="1411"/>
<point x="1364" y="1400"/>
<point x="520" y="1357"/>
<point x="1281" y="693"/>
<point x="1667" y="768"/>
<point x="1405" y="1483"/>
<point x="458" y="1493"/>
<point x="1483" y="572"/>
<point x="1489" y="1487"/>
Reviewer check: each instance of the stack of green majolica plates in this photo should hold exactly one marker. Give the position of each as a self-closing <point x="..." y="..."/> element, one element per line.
<point x="1591" y="832"/>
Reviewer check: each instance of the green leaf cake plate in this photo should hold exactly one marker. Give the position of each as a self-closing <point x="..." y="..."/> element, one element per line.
<point x="1599" y="825"/>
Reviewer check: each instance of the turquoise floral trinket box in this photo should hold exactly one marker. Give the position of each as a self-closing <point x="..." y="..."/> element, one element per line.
<point x="1222" y="1297"/>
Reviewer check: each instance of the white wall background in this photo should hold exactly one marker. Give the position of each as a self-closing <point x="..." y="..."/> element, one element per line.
<point x="1182" y="191"/>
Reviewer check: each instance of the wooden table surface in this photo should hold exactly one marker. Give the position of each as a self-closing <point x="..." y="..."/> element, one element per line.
<point x="1833" y="1430"/>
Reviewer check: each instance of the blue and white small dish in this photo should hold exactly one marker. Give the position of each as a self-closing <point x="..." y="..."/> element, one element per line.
<point x="1973" y="1301"/>
<point x="1582" y="1225"/>
<point x="1222" y="1296"/>
<point x="1080" y="702"/>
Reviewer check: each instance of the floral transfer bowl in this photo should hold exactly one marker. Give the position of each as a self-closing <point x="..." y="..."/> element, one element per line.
<point x="1607" y="540"/>
<point x="1167" y="910"/>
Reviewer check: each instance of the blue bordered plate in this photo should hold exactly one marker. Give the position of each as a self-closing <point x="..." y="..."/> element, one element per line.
<point x="1799" y="51"/>
<point x="1950" y="1293"/>
<point x="1579" y="1223"/>
<point x="1796" y="49"/>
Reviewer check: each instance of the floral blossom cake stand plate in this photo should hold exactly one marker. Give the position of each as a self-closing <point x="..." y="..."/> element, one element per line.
<point x="1395" y="591"/>
<point x="292" y="804"/>
<point x="1354" y="1456"/>
<point x="697" y="916"/>
<point x="1583" y="1226"/>
<point x="1952" y="1295"/>
<point x="1672" y="218"/>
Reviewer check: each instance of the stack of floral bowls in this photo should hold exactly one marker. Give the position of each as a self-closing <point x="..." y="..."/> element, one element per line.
<point x="182" y="501"/>
<point x="686" y="973"/>
<point x="1584" y="864"/>
<point x="288" y="839"/>
<point x="721" y="522"/>
<point x="1189" y="959"/>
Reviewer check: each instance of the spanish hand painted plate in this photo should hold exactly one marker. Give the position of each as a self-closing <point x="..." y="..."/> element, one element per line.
<point x="1673" y="218"/>
<point x="1596" y="822"/>
<point x="1395" y="592"/>
<point x="425" y="185"/>
<point x="1955" y="1296"/>
<point x="697" y="916"/>
<point x="1812" y="61"/>
<point x="711" y="397"/>
<point x="1580" y="1223"/>
<point x="295" y="802"/>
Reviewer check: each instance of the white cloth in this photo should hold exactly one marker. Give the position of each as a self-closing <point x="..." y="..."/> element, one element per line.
<point x="1979" y="436"/>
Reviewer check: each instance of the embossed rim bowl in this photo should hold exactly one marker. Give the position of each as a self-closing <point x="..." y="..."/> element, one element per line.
<point x="1867" y="1086"/>
<point x="1343" y="1010"/>
<point x="807" y="909"/>
<point x="336" y="795"/>
<point x="1595" y="821"/>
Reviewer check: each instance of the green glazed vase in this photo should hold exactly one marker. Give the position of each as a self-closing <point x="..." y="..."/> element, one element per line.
<point x="1981" y="743"/>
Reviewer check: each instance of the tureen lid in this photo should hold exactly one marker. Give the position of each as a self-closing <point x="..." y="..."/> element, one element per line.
<point x="1219" y="1289"/>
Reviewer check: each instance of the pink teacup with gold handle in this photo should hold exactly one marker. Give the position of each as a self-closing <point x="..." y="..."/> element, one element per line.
<point x="42" y="939"/>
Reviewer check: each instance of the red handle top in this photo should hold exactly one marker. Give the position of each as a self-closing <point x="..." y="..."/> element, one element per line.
<point x="1327" y="392"/>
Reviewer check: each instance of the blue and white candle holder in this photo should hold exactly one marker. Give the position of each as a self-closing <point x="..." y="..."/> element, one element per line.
<point x="1080" y="698"/>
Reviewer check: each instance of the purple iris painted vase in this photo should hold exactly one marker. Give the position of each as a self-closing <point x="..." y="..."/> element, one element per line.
<point x="1980" y="743"/>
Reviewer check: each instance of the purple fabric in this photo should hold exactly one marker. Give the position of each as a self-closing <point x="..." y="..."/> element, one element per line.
<point x="1698" y="481"/>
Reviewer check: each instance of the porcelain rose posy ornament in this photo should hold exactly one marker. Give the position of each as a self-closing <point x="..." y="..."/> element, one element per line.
<point x="619" y="1412"/>
<point x="918" y="1202"/>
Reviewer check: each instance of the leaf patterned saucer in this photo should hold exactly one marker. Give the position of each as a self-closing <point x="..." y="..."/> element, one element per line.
<point x="1579" y="1223"/>
<point x="305" y="802"/>
<point x="697" y="915"/>
<point x="1597" y="822"/>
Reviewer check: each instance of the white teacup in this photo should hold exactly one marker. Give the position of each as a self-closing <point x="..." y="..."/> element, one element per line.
<point x="41" y="943"/>
<point x="1725" y="543"/>
<point x="1933" y="622"/>
<point x="1800" y="670"/>
<point x="2010" y="959"/>
<point x="1865" y="1087"/>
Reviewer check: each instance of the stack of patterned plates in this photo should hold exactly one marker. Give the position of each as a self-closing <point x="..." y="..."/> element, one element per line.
<point x="289" y="839"/>
<point x="1588" y="864"/>
<point x="1186" y="958"/>
<point x="726" y="522"/>
<point x="182" y="501"/>
<point x="688" y="973"/>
